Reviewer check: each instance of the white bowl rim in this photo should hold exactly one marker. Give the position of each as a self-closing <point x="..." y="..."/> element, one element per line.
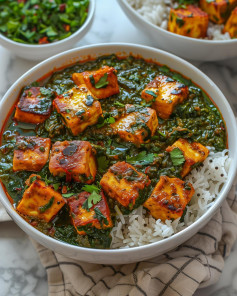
<point x="91" y="11"/>
<point x="127" y="251"/>
<point x="188" y="39"/>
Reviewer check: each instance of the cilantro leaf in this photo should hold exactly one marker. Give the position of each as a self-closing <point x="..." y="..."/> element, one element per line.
<point x="100" y="217"/>
<point x="177" y="156"/>
<point x="102" y="82"/>
<point x="92" y="79"/>
<point x="48" y="205"/>
<point x="118" y="104"/>
<point x="66" y="195"/>
<point x="56" y="186"/>
<point x="33" y="179"/>
<point x="141" y="159"/>
<point x="103" y="163"/>
<point x="108" y="120"/>
<point x="91" y="188"/>
<point x="152" y="93"/>
<point x="94" y="197"/>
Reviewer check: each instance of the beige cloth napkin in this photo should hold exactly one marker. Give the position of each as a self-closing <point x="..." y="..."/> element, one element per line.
<point x="196" y="263"/>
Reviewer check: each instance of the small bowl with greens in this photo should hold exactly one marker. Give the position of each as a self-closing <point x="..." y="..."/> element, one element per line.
<point x="35" y="30"/>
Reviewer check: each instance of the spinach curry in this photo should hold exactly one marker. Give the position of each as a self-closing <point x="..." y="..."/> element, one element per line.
<point x="121" y="156"/>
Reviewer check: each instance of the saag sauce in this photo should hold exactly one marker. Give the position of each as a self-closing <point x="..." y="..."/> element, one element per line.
<point x="196" y="119"/>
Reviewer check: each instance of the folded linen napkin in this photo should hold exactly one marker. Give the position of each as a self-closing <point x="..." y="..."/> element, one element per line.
<point x="196" y="263"/>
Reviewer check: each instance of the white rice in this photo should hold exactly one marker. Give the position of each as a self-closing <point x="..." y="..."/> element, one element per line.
<point x="139" y="228"/>
<point x="157" y="13"/>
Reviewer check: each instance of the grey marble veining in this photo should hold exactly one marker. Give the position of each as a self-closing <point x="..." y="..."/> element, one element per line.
<point x="21" y="272"/>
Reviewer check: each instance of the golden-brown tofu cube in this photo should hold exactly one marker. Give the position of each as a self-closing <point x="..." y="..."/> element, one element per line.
<point x="102" y="83"/>
<point x="231" y="24"/>
<point x="97" y="216"/>
<point x="31" y="153"/>
<point x="33" y="107"/>
<point x="169" y="198"/>
<point x="190" y="21"/>
<point x="218" y="10"/>
<point x="125" y="184"/>
<point x="136" y="127"/>
<point x="165" y="93"/>
<point x="79" y="108"/>
<point x="193" y="153"/>
<point x="40" y="201"/>
<point x="75" y="159"/>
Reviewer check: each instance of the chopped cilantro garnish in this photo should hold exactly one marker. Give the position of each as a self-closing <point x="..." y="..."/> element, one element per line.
<point x="93" y="199"/>
<point x="92" y="80"/>
<point x="42" y="149"/>
<point x="180" y="22"/>
<point x="98" y="215"/>
<point x="89" y="100"/>
<point x="187" y="186"/>
<point x="80" y="112"/>
<point x="105" y="121"/>
<point x="48" y="205"/>
<point x="118" y="104"/>
<point x="177" y="156"/>
<point x="150" y="92"/>
<point x="103" y="163"/>
<point x="33" y="179"/>
<point x="91" y="188"/>
<point x="102" y="82"/>
<point x="66" y="195"/>
<point x="141" y="159"/>
<point x="162" y="134"/>
<point x="56" y="186"/>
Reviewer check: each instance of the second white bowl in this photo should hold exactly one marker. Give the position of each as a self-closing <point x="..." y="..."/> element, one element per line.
<point x="185" y="47"/>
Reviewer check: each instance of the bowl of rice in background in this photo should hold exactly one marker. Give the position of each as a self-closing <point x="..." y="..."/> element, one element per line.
<point x="136" y="237"/>
<point x="151" y="18"/>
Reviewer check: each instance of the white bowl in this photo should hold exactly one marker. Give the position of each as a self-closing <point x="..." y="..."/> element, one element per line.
<point x="185" y="47"/>
<point x="42" y="51"/>
<point x="120" y="256"/>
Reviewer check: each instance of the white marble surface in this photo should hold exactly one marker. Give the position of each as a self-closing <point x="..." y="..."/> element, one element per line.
<point x="21" y="272"/>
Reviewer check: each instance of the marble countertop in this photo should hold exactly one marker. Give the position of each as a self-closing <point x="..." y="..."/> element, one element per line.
<point x="21" y="272"/>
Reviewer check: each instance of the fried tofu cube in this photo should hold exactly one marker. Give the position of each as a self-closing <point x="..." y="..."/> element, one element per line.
<point x="40" y="201"/>
<point x="97" y="216"/>
<point x="75" y="159"/>
<point x="136" y="127"/>
<point x="169" y="198"/>
<point x="165" y="93"/>
<point x="193" y="153"/>
<point x="33" y="107"/>
<point x="218" y="10"/>
<point x="231" y="24"/>
<point x="31" y="153"/>
<point x="125" y="184"/>
<point x="79" y="108"/>
<point x="102" y="83"/>
<point x="190" y="21"/>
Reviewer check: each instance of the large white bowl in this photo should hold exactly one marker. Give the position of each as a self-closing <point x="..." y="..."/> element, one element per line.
<point x="120" y="256"/>
<point x="185" y="47"/>
<point x="39" y="52"/>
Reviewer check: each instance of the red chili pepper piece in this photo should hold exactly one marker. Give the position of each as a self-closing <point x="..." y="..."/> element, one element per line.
<point x="62" y="7"/>
<point x="43" y="40"/>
